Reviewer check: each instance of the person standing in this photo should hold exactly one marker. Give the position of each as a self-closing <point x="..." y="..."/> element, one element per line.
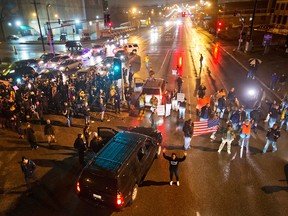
<point x="188" y="132"/>
<point x="284" y="118"/>
<point x="80" y="146"/>
<point x="271" y="138"/>
<point x="117" y="103"/>
<point x="273" y="115"/>
<point x="180" y="82"/>
<point x="31" y="138"/>
<point x="245" y="135"/>
<point x="201" y="61"/>
<point x="154" y="119"/>
<point x="228" y="137"/>
<point x="68" y="114"/>
<point x="201" y="90"/>
<point x="173" y="168"/>
<point x="255" y="118"/>
<point x="96" y="142"/>
<point x="102" y="109"/>
<point x="147" y="62"/>
<point x="28" y="168"/>
<point x="274" y="80"/>
<point x="49" y="132"/>
<point x="205" y="112"/>
<point x="87" y="134"/>
<point x="182" y="109"/>
<point x="141" y="107"/>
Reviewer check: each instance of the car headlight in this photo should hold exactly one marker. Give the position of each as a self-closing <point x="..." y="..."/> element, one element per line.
<point x="12" y="71"/>
<point x="18" y="80"/>
<point x="108" y="65"/>
<point x="61" y="68"/>
<point x="251" y="92"/>
<point x="41" y="62"/>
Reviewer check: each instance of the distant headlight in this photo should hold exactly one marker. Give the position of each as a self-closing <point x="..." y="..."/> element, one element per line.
<point x="41" y="62"/>
<point x="12" y="71"/>
<point x="61" y="68"/>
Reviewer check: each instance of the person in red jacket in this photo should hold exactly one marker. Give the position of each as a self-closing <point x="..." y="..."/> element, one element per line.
<point x="174" y="161"/>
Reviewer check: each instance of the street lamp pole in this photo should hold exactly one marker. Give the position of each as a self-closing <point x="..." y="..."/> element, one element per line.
<point x="249" y="43"/>
<point x="50" y="34"/>
<point x="41" y="35"/>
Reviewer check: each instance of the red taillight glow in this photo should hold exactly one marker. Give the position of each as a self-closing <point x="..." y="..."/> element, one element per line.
<point x="78" y="187"/>
<point x="180" y="61"/>
<point x="119" y="200"/>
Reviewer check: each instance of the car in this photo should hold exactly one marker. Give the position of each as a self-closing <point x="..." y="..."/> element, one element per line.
<point x="16" y="75"/>
<point x="98" y="49"/>
<point x="44" y="38"/>
<point x="113" y="175"/>
<point x="131" y="48"/>
<point x="73" y="45"/>
<point x="33" y="63"/>
<point x="56" y="61"/>
<point x="84" y="72"/>
<point x="121" y="54"/>
<point x="83" y="54"/>
<point x="70" y="64"/>
<point x="155" y="86"/>
<point x="12" y="37"/>
<point x="49" y="74"/>
<point x="45" y="57"/>
<point x="108" y="62"/>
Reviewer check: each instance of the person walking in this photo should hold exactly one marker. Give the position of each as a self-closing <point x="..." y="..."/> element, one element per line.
<point x="173" y="168"/>
<point x="28" y="168"/>
<point x="102" y="109"/>
<point x="154" y="119"/>
<point x="227" y="137"/>
<point x="201" y="90"/>
<point x="271" y="138"/>
<point x="273" y="116"/>
<point x="49" y="132"/>
<point x="188" y="132"/>
<point x="255" y="118"/>
<point x="80" y="146"/>
<point x="182" y="109"/>
<point x="284" y="118"/>
<point x="68" y="114"/>
<point x="117" y="103"/>
<point x="31" y="138"/>
<point x="205" y="112"/>
<point x="86" y="134"/>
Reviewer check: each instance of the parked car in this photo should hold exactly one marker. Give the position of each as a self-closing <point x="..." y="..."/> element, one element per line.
<point x="98" y="50"/>
<point x="56" y="61"/>
<point x="12" y="37"/>
<point x="49" y="74"/>
<point x="112" y="177"/>
<point x="44" y="38"/>
<point x="33" y="63"/>
<point x="70" y="64"/>
<point x="83" y="54"/>
<point x="73" y="45"/>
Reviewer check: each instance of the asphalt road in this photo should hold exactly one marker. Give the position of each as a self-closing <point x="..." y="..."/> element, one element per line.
<point x="210" y="183"/>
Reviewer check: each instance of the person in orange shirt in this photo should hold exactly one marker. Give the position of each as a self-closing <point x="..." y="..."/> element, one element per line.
<point x="245" y="134"/>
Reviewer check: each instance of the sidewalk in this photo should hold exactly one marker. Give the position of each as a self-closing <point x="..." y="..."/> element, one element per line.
<point x="273" y="62"/>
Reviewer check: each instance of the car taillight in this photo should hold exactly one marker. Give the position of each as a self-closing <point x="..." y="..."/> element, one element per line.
<point x="119" y="200"/>
<point x="78" y="187"/>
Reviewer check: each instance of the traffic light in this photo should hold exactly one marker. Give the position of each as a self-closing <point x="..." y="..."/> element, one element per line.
<point x="110" y="24"/>
<point x="117" y="69"/>
<point x="219" y="25"/>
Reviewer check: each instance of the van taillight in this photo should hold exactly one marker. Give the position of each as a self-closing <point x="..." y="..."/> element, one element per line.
<point x="119" y="200"/>
<point x="78" y="187"/>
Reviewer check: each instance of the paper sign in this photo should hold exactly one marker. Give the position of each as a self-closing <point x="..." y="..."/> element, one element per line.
<point x="180" y="96"/>
<point x="161" y="110"/>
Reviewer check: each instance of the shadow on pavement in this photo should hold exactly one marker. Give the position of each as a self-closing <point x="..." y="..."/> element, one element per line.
<point x="276" y="188"/>
<point x="153" y="183"/>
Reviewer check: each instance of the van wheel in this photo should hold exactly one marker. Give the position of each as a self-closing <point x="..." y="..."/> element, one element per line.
<point x="134" y="193"/>
<point x="158" y="152"/>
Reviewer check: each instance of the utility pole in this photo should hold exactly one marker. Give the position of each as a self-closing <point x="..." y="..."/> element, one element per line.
<point x="50" y="34"/>
<point x="41" y="35"/>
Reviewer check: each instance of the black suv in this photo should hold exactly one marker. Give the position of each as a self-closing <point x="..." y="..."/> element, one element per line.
<point x="113" y="175"/>
<point x="73" y="45"/>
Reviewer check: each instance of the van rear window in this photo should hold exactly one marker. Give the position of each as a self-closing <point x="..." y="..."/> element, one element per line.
<point x="150" y="91"/>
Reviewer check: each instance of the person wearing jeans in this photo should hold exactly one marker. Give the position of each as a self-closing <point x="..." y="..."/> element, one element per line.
<point x="188" y="132"/>
<point x="245" y="135"/>
<point x="228" y="137"/>
<point x="271" y="138"/>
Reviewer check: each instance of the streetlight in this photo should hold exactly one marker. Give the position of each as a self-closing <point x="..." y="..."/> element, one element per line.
<point x="50" y="35"/>
<point x="41" y="35"/>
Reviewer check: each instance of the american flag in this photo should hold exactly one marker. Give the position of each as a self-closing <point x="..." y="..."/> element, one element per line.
<point x="204" y="127"/>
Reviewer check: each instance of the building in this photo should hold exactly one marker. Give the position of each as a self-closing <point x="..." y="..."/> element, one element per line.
<point x="279" y="17"/>
<point x="65" y="16"/>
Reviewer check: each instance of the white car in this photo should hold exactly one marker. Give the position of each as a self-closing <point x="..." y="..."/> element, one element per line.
<point x="56" y="61"/>
<point x="70" y="64"/>
<point x="82" y="54"/>
<point x="131" y="48"/>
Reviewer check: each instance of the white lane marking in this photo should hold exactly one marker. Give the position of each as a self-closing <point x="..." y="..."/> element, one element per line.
<point x="164" y="60"/>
